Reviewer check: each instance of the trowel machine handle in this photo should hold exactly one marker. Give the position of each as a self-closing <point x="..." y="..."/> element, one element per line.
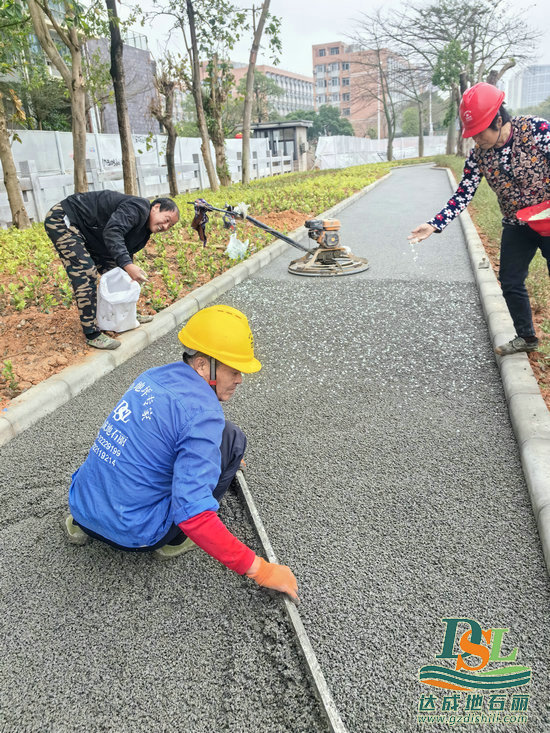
<point x="231" y="213"/>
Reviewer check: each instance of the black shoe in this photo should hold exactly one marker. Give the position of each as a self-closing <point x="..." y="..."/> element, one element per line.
<point x="516" y="346"/>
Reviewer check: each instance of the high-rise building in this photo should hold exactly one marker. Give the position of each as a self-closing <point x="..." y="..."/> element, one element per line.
<point x="528" y="87"/>
<point x="297" y="89"/>
<point x="139" y="73"/>
<point x="342" y="79"/>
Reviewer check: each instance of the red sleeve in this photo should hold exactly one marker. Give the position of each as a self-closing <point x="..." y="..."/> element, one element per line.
<point x="211" y="535"/>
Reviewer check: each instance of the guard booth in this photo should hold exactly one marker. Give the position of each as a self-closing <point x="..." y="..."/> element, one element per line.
<point x="286" y="138"/>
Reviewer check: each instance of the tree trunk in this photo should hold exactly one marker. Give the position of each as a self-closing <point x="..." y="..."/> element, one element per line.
<point x="117" y="74"/>
<point x="216" y="127"/>
<point x="170" y="159"/>
<point x="249" y="94"/>
<point x="451" y="129"/>
<point x="461" y="142"/>
<point x="197" y="96"/>
<point x="15" y="198"/>
<point x="78" y="110"/>
<point x="74" y="82"/>
<point x="420" y="130"/>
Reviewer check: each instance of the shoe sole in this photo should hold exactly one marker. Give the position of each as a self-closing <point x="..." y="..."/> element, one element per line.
<point x="182" y="550"/>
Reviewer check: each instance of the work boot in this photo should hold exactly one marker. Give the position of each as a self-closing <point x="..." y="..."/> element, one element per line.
<point x="75" y="534"/>
<point x="169" y="551"/>
<point x="103" y="342"/>
<point x="143" y="318"/>
<point x="516" y="346"/>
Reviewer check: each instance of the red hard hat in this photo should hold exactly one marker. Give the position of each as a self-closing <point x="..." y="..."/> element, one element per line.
<point x="478" y="108"/>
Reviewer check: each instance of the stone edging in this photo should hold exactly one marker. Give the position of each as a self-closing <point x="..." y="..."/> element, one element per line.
<point x="528" y="412"/>
<point x="42" y="399"/>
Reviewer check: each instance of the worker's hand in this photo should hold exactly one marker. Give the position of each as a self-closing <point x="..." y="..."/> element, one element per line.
<point x="136" y="273"/>
<point x="277" y="577"/>
<point x="420" y="233"/>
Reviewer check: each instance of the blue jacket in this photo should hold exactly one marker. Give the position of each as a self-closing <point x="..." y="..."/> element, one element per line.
<point x="155" y="461"/>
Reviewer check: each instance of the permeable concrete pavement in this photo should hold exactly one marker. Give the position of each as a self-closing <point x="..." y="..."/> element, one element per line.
<point x="384" y="466"/>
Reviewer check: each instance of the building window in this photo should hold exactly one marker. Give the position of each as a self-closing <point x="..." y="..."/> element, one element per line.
<point x="321" y="52"/>
<point x="321" y="83"/>
<point x="345" y="81"/>
<point x="346" y="112"/>
<point x="335" y="82"/>
<point x="320" y="99"/>
<point x="345" y="65"/>
<point x="335" y="66"/>
<point x="320" y="69"/>
<point x="346" y="97"/>
<point x="335" y="97"/>
<point x="334" y="51"/>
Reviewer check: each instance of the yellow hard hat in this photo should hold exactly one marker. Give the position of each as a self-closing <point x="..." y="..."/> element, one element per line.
<point x="223" y="333"/>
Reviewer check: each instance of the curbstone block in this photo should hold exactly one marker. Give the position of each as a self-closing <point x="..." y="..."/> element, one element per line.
<point x="183" y="309"/>
<point x="36" y="403"/>
<point x="535" y="457"/>
<point x="530" y="417"/>
<point x="543" y="523"/>
<point x="498" y="322"/>
<point x="205" y="294"/>
<point x="494" y="304"/>
<point x="79" y="377"/>
<point x="161" y="324"/>
<point x="518" y="378"/>
<point x="132" y="343"/>
<point x="6" y="431"/>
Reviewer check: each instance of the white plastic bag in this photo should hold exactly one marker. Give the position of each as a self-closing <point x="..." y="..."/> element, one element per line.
<point x="236" y="249"/>
<point x="117" y="296"/>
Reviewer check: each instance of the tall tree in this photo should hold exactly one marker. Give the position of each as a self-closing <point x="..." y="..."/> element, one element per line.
<point x="117" y="74"/>
<point x="376" y="67"/>
<point x="218" y="83"/>
<point x="13" y="29"/>
<point x="264" y="90"/>
<point x="169" y="74"/>
<point x="70" y="33"/>
<point x="247" y="112"/>
<point x="490" y="34"/>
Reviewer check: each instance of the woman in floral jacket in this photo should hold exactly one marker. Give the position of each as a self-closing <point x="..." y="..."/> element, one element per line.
<point x="514" y="156"/>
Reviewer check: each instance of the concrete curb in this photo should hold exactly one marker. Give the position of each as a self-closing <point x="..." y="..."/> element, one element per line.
<point x="44" y="398"/>
<point x="528" y="412"/>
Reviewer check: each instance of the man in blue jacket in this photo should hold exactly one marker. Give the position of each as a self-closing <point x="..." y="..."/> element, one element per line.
<point x="96" y="231"/>
<point x="165" y="456"/>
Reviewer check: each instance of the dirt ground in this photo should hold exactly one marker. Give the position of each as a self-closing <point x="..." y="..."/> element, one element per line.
<point x="42" y="344"/>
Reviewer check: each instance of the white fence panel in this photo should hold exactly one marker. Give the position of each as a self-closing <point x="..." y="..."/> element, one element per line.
<point x="342" y="151"/>
<point x="44" y="162"/>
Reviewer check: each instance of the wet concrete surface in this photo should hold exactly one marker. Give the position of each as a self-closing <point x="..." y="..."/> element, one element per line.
<point x="384" y="466"/>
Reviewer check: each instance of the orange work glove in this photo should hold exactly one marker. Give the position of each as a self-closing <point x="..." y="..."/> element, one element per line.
<point x="277" y="577"/>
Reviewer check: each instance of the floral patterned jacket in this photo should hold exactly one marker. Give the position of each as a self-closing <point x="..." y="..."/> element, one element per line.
<point x="518" y="172"/>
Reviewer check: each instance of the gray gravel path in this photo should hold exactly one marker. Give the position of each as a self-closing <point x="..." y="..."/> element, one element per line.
<point x="384" y="466"/>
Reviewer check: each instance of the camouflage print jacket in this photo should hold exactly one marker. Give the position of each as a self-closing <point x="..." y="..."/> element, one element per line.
<point x="518" y="172"/>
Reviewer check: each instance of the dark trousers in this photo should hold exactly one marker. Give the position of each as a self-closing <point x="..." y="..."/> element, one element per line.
<point x="232" y="450"/>
<point x="83" y="270"/>
<point x="519" y="245"/>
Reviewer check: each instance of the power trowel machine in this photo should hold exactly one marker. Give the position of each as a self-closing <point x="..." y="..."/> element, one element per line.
<point x="329" y="258"/>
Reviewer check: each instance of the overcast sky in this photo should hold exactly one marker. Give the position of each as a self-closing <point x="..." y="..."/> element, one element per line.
<point x="306" y="22"/>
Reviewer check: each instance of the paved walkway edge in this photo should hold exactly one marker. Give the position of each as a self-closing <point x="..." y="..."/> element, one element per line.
<point x="314" y="670"/>
<point x="44" y="398"/>
<point x="528" y="412"/>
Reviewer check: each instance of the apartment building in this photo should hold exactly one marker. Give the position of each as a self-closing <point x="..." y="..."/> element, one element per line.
<point x="340" y="79"/>
<point x="139" y="72"/>
<point x="297" y="89"/>
<point x="528" y="87"/>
